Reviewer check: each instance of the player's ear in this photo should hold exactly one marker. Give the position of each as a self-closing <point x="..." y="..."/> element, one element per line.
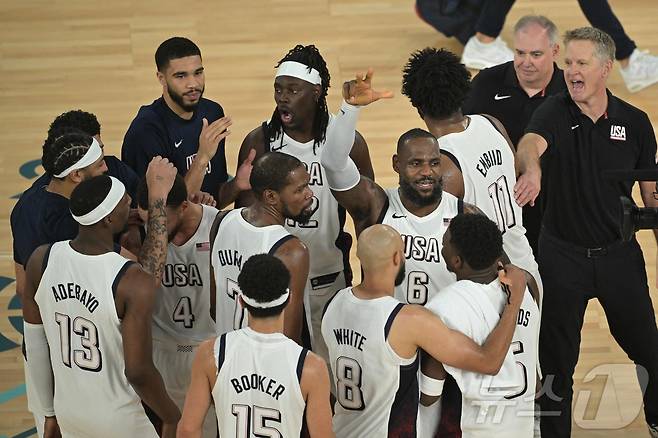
<point x="396" y="163"/>
<point x="76" y="176"/>
<point x="317" y="92"/>
<point x="270" y="197"/>
<point x="161" y="78"/>
<point x="458" y="262"/>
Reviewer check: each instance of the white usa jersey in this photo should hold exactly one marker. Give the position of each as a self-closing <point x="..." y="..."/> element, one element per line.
<point x="257" y="392"/>
<point x="182" y="303"/>
<point x="427" y="273"/>
<point x="235" y="242"/>
<point x="328" y="244"/>
<point x="474" y="309"/>
<point x="76" y="302"/>
<point x="376" y="390"/>
<point x="487" y="165"/>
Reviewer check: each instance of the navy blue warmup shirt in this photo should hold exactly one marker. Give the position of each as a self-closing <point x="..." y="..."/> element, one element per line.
<point x="157" y="130"/>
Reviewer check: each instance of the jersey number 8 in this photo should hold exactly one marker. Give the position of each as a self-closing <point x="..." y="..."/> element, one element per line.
<point x="348" y="385"/>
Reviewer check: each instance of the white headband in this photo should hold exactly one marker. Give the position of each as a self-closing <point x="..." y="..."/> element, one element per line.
<point x="267" y="305"/>
<point x="93" y="153"/>
<point x="115" y="195"/>
<point x="300" y="71"/>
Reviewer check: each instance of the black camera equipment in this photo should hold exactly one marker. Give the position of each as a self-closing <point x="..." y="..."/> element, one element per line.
<point x="634" y="218"/>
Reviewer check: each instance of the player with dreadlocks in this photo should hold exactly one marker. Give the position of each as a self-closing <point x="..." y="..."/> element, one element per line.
<point x="298" y="127"/>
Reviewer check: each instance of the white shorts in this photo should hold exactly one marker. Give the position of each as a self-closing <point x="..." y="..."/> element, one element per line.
<point x="174" y="361"/>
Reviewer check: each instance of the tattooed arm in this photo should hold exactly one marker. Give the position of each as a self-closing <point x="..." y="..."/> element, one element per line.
<point x="160" y="177"/>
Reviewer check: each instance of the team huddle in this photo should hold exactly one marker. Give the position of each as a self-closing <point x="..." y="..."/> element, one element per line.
<point x="152" y="310"/>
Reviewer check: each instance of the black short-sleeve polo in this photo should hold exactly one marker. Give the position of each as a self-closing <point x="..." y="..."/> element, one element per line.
<point x="581" y="205"/>
<point x="497" y="91"/>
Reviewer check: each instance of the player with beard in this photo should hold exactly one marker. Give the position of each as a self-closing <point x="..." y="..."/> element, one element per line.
<point x="298" y="127"/>
<point x="418" y="208"/>
<point x="373" y="342"/>
<point x="280" y="184"/>
<point x="181" y="312"/>
<point x="183" y="126"/>
<point x="478" y="163"/>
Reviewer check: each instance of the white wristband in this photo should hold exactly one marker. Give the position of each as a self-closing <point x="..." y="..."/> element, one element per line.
<point x="430" y="386"/>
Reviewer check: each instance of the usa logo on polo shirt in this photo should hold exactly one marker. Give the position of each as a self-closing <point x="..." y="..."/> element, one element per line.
<point x="617" y="132"/>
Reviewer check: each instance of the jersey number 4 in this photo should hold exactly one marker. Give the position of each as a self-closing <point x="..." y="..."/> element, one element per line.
<point x="252" y="419"/>
<point x="183" y="312"/>
<point x="88" y="358"/>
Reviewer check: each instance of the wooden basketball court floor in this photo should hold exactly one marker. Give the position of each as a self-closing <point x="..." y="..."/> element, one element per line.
<point x="98" y="56"/>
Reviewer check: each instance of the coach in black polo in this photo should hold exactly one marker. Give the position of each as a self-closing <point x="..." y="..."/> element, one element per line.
<point x="511" y="92"/>
<point x="580" y="134"/>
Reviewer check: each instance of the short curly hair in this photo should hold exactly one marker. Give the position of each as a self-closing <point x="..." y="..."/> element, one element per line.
<point x="436" y="82"/>
<point x="264" y="278"/>
<point x="82" y="120"/>
<point x="477" y="239"/>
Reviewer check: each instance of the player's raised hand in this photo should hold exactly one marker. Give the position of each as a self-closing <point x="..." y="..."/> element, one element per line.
<point x="202" y="198"/>
<point x="160" y="176"/>
<point x="244" y="171"/>
<point x="211" y="135"/>
<point x="359" y="91"/>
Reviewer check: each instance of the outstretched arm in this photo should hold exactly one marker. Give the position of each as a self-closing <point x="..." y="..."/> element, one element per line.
<point x="452" y="347"/>
<point x="359" y="195"/>
<point x="528" y="184"/>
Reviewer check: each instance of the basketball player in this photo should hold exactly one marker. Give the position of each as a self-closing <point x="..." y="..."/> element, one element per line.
<point x="256" y="375"/>
<point x="418" y="209"/>
<point x="88" y="123"/>
<point x="478" y="164"/>
<point x="183" y="126"/>
<point x="87" y="314"/>
<point x="42" y="215"/>
<point x="281" y="187"/>
<point x="373" y="341"/>
<point x="181" y="313"/>
<point x="472" y="249"/>
<point x="298" y="127"/>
